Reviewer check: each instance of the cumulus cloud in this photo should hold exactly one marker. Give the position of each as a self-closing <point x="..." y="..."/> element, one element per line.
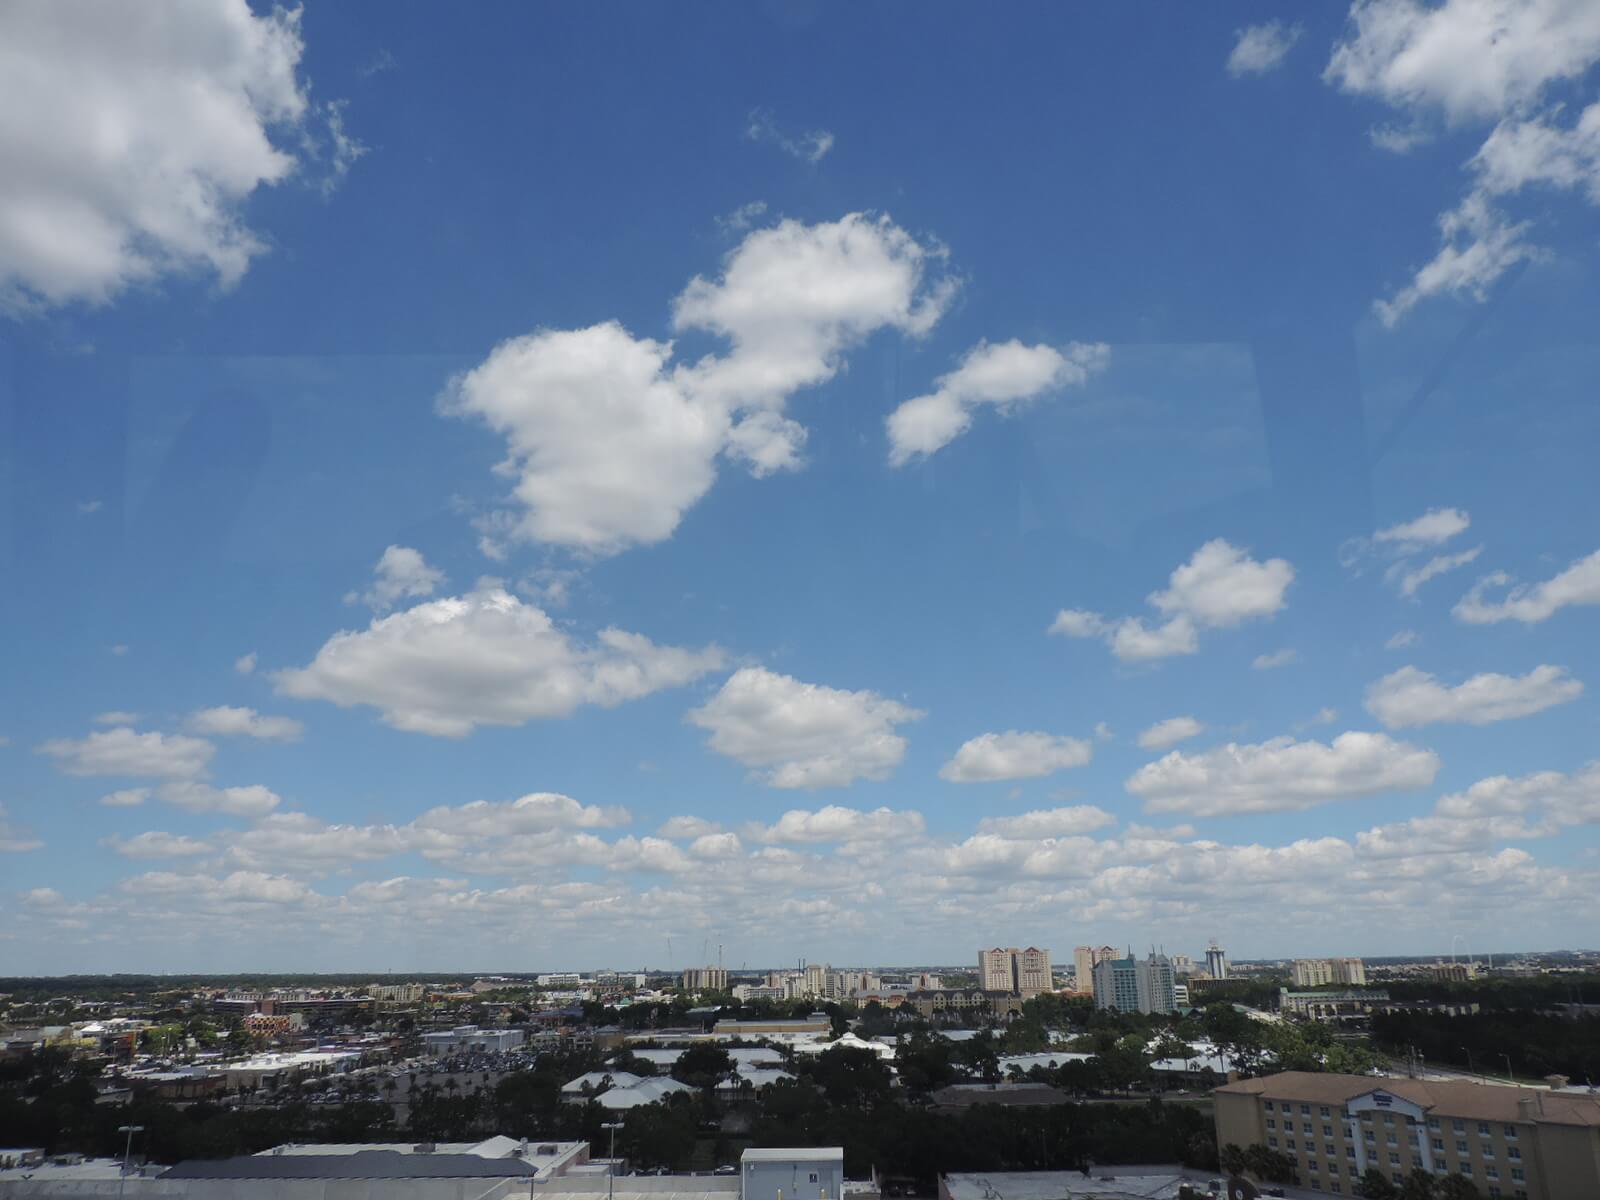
<point x="226" y="721"/>
<point x="835" y="823"/>
<point x="1281" y="774"/>
<point x="1220" y="587"/>
<point x="1413" y="579"/>
<point x="1270" y="662"/>
<point x="1432" y="528"/>
<point x="245" y="664"/>
<point x="1410" y="697"/>
<point x="126" y="797"/>
<point x="117" y="716"/>
<point x="401" y="573"/>
<point x="1048" y="823"/>
<point x="1469" y="59"/>
<point x="250" y="800"/>
<point x="122" y="751"/>
<point x="804" y="735"/>
<point x="1579" y="584"/>
<point x="611" y="443"/>
<point x="1500" y="808"/>
<point x="1404" y="542"/>
<point x="1478" y="61"/>
<point x="1261" y="48"/>
<point x="131" y="145"/>
<point x="1170" y="732"/>
<point x="1014" y="755"/>
<point x="1002" y="375"/>
<point x="449" y="665"/>
<point x="811" y="146"/>
<point x="1401" y="640"/>
<point x="537" y="812"/>
<point x="688" y="827"/>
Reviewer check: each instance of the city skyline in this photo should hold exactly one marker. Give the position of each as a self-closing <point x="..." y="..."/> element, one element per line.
<point x="471" y="498"/>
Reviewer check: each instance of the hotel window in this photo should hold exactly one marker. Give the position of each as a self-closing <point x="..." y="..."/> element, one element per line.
<point x="1438" y="1143"/>
<point x="1267" y="1104"/>
<point x="1273" y="1142"/>
<point x="1371" y="1137"/>
<point x="1334" y="1188"/>
<point x="1312" y="1165"/>
<point x="1324" y="1111"/>
<point x="1394" y="1160"/>
<point x="1433" y="1122"/>
<point x="1461" y="1147"/>
<point x="1516" y="1174"/>
<point x="1288" y="1143"/>
<point x="1305" y="1110"/>
<point x="1388" y="1118"/>
<point x="1271" y="1124"/>
<point x="1511" y="1132"/>
<point x="1459" y="1126"/>
<point x="1466" y="1168"/>
<point x="1483" y="1128"/>
<point x="1327" y="1131"/>
<point x="1391" y="1139"/>
<point x="1492" y="1171"/>
<point x="1513" y="1152"/>
<point x="1416" y="1160"/>
<point x="1349" y="1151"/>
<point x="1332" y="1150"/>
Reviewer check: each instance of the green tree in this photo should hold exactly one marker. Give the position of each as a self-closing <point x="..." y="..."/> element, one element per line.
<point x="1375" y="1185"/>
<point x="703" y="1065"/>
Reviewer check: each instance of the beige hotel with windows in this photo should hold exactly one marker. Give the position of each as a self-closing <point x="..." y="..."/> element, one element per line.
<point x="1509" y="1141"/>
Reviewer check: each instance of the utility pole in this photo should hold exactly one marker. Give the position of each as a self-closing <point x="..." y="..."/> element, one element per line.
<point x="611" y="1168"/>
<point x="127" y="1153"/>
<point x="1509" y="1076"/>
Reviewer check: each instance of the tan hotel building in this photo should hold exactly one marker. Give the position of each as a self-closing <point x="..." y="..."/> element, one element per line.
<point x="1509" y="1141"/>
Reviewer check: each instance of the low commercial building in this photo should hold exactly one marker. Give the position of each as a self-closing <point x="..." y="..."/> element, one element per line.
<point x="465" y="1039"/>
<point x="1349" y="1004"/>
<point x="1509" y="1141"/>
<point x="814" y="1024"/>
<point x="792" y="1174"/>
<point x="975" y="1001"/>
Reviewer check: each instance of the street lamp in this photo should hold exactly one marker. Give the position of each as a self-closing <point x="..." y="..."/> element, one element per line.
<point x="611" y="1167"/>
<point x="127" y="1153"/>
<point x="1509" y="1076"/>
<point x="1470" y="1069"/>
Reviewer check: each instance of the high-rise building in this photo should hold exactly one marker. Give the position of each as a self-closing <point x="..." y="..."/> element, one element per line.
<point x="1084" y="959"/>
<point x="1324" y="972"/>
<point x="1129" y="985"/>
<point x="705" y="979"/>
<point x="1021" y="972"/>
<point x="1216" y="961"/>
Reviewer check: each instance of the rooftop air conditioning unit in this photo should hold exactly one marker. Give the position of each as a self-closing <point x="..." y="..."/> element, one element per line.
<point x="424" y="1148"/>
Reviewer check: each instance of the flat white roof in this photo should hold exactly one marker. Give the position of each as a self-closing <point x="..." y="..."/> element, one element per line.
<point x="794" y="1154"/>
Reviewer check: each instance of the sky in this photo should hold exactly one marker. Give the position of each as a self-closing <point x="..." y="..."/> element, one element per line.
<point x="584" y="486"/>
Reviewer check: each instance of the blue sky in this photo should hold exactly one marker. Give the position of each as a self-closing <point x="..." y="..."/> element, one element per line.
<point x="854" y="484"/>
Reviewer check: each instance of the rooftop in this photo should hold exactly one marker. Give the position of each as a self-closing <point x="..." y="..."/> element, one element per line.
<point x="388" y="1163"/>
<point x="1102" y="1183"/>
<point x="794" y="1154"/>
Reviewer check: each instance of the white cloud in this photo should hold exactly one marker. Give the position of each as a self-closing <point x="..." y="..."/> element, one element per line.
<point x="89" y="507"/>
<point x="1579" y="584"/>
<point x="1432" y="528"/>
<point x="804" y="735"/>
<point x="226" y="721"/>
<point x="688" y="827"/>
<point x="743" y="217"/>
<point x="1411" y="580"/>
<point x="251" y="800"/>
<point x="126" y="797"/>
<point x="1048" y="823"/>
<point x="117" y="717"/>
<point x="449" y="665"/>
<point x="1478" y="245"/>
<point x="1003" y="375"/>
<point x="1402" y="639"/>
<point x="245" y="664"/>
<point x="12" y="839"/>
<point x="610" y="444"/>
<point x="1323" y="716"/>
<point x="1170" y="732"/>
<point x="156" y="844"/>
<point x="1270" y="662"/>
<point x="537" y="812"/>
<point x="1500" y="808"/>
<point x="1262" y="48"/>
<point x="1469" y="59"/>
<point x="124" y="752"/>
<point x="809" y="147"/>
<point x="835" y="823"/>
<point x="1281" y="774"/>
<point x="131" y="145"/>
<point x="1014" y="755"/>
<point x="121" y="650"/>
<point x="1410" y="697"/>
<point x="401" y="573"/>
<point x="1218" y="588"/>
<point x="1102" y="732"/>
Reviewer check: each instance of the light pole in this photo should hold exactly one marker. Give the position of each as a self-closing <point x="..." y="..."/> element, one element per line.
<point x="1509" y="1076"/>
<point x="1470" y="1069"/>
<point x="611" y="1167"/>
<point x="127" y="1153"/>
